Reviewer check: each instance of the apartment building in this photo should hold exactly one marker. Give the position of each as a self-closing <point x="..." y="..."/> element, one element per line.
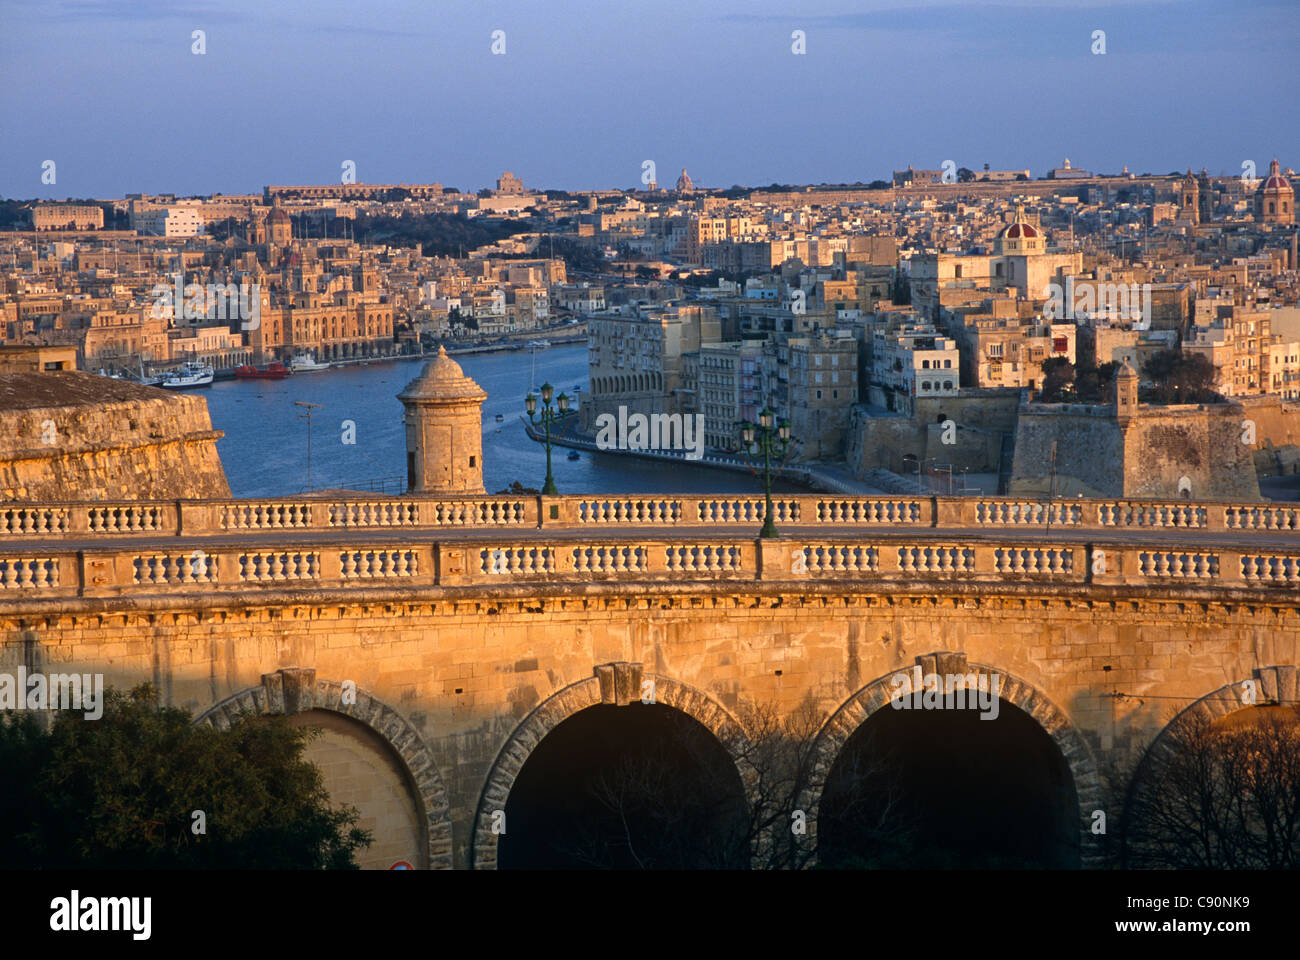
<point x="1250" y="359"/>
<point x="634" y="359"/>
<point x="822" y="388"/>
<point x="912" y="362"/>
<point x="1009" y="352"/>
<point x="728" y="389"/>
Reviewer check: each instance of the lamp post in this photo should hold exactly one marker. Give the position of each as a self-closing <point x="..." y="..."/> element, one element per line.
<point x="548" y="416"/>
<point x="771" y="439"/>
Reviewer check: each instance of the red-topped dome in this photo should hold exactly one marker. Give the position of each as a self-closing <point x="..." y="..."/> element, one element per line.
<point x="1275" y="179"/>
<point x="1017" y="230"/>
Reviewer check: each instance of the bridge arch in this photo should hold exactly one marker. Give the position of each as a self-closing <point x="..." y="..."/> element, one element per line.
<point x="297" y="691"/>
<point x="617" y="683"/>
<point x="861" y="706"/>
<point x="1273" y="685"/>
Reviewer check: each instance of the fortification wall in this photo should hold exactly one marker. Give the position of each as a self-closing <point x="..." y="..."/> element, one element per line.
<point x="1277" y="434"/>
<point x="123" y="443"/>
<point x="1089" y="452"/>
<point x="1161" y="452"/>
<point x="977" y="442"/>
<point x="1200" y="450"/>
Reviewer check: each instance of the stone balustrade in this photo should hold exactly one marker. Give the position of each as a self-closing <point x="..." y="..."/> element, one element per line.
<point x="80" y="521"/>
<point x="266" y="560"/>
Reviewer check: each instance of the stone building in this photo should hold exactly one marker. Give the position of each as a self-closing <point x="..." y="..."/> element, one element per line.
<point x="444" y="430"/>
<point x="67" y="216"/>
<point x="66" y="436"/>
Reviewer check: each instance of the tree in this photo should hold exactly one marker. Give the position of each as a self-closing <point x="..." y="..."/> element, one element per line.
<point x="965" y="175"/>
<point x="1179" y="377"/>
<point x="1058" y="380"/>
<point x="1226" y="796"/>
<point x="121" y="792"/>
<point x="1021" y="176"/>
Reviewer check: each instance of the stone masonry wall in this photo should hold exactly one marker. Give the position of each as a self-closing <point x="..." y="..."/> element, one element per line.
<point x="143" y="444"/>
<point x="465" y="673"/>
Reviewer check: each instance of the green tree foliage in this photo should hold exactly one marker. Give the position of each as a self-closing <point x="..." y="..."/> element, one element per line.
<point x="1178" y="377"/>
<point x="121" y="791"/>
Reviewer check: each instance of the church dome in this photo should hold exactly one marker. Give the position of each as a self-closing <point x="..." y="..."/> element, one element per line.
<point x="1018" y="230"/>
<point x="278" y="216"/>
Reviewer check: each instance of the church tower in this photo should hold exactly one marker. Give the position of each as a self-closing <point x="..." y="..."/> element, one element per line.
<point x="444" y="430"/>
<point x="1189" y="199"/>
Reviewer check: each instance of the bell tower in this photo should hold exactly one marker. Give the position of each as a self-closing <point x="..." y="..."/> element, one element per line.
<point x="444" y="430"/>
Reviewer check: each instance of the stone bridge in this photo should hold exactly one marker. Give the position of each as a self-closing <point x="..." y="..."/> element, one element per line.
<point x="471" y="628"/>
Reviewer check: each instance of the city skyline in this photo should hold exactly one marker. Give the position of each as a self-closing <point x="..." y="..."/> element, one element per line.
<point x="468" y="113"/>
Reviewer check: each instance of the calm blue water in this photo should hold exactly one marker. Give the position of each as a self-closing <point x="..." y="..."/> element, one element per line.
<point x="264" y="450"/>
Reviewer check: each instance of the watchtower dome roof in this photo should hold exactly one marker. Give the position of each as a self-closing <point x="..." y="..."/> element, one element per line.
<point x="442" y="379"/>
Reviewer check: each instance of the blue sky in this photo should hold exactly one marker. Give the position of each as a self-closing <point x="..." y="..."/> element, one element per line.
<point x="587" y="91"/>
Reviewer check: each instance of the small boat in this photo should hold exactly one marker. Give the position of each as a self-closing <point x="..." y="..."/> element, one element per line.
<point x="306" y="363"/>
<point x="500" y="417"/>
<point x="539" y="344"/>
<point x="573" y="455"/>
<point x="191" y="374"/>
<point x="272" y="371"/>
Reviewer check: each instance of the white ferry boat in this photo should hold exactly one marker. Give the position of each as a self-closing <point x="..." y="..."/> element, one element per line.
<point x="306" y="363"/>
<point x="191" y="374"/>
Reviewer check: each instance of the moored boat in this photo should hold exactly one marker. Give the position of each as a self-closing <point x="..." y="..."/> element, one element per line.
<point x="272" y="371"/>
<point x="306" y="363"/>
<point x="191" y="374"/>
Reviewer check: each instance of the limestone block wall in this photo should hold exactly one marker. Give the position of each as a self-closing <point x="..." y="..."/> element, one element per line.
<point x="1089" y="452"/>
<point x="981" y="418"/>
<point x="1148" y="457"/>
<point x="1162" y="446"/>
<point x="471" y="679"/>
<point x="148" y="444"/>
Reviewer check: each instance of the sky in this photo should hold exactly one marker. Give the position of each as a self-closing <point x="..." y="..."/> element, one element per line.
<point x="586" y="93"/>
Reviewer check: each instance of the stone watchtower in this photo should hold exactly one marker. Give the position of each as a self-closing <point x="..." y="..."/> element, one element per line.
<point x="1126" y="393"/>
<point x="444" y="430"/>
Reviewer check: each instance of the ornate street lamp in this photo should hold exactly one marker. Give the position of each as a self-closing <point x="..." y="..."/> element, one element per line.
<point x="771" y="440"/>
<point x="548" y="416"/>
